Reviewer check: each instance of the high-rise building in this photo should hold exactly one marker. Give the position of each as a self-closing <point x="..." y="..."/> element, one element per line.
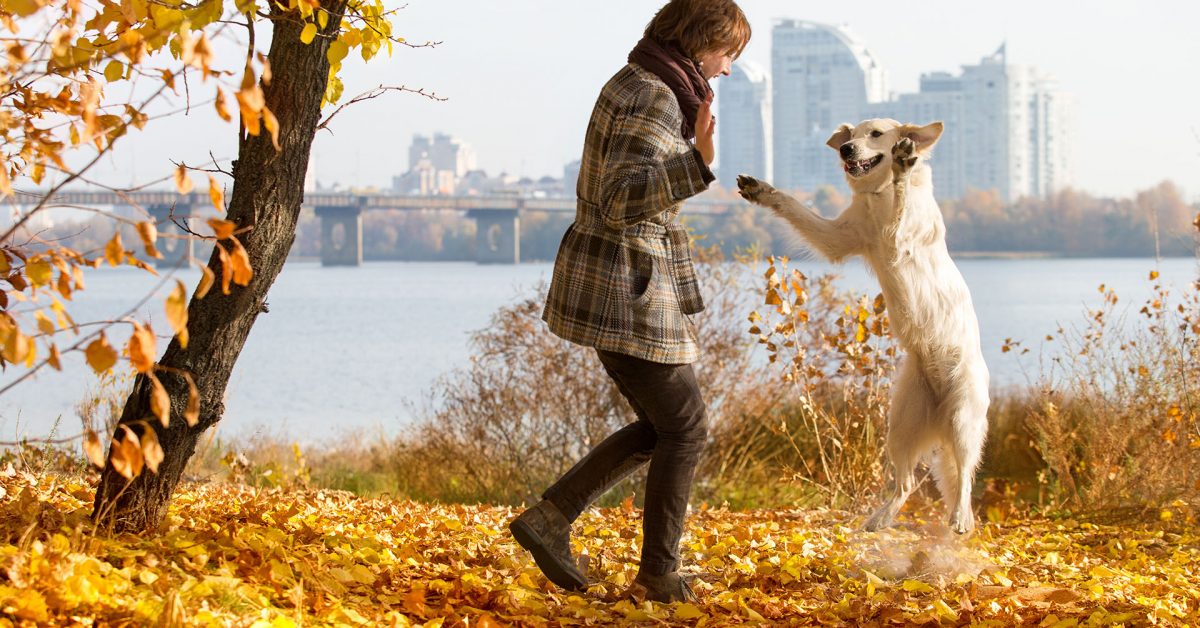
<point x="744" y="124"/>
<point x="940" y="100"/>
<point x="1007" y="128"/>
<point x="1052" y="138"/>
<point x="435" y="167"/>
<point x="821" y="76"/>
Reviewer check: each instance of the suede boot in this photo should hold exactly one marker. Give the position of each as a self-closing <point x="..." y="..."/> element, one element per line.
<point x="546" y="533"/>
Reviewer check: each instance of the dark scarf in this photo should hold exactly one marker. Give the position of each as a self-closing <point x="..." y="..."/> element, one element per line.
<point x="681" y="74"/>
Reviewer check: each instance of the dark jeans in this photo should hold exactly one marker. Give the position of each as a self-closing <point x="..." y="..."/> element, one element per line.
<point x="670" y="433"/>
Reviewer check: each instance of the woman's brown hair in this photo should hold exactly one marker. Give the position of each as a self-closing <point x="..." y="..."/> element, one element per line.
<point x="700" y="26"/>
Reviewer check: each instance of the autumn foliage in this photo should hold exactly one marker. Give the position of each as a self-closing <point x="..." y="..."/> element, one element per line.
<point x="232" y="555"/>
<point x="77" y="77"/>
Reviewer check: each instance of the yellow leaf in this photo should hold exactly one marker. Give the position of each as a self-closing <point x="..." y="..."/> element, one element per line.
<point x="39" y="272"/>
<point x="160" y="401"/>
<point x="688" y="611"/>
<point x="242" y="272"/>
<point x="148" y="231"/>
<point x="183" y="182"/>
<point x="93" y="449"/>
<point x="1153" y="275"/>
<point x="177" y="313"/>
<point x="1100" y="571"/>
<point x="114" y="71"/>
<point x="22" y="8"/>
<point x="64" y="285"/>
<point x="126" y="455"/>
<point x="916" y="586"/>
<point x="309" y="33"/>
<point x="142" y="350"/>
<point x="216" y="194"/>
<point x="222" y="106"/>
<point x="773" y="298"/>
<point x="54" y="359"/>
<point x="206" y="282"/>
<point x="100" y="355"/>
<point x="944" y="610"/>
<point x="226" y="268"/>
<point x="114" y="251"/>
<point x="192" y="413"/>
<point x="28" y="604"/>
<point x="338" y="51"/>
<point x="30" y="352"/>
<point x="44" y="324"/>
<point x="152" y="453"/>
<point x="222" y="229"/>
<point x="15" y="347"/>
<point x="272" y="125"/>
<point x="6" y="183"/>
<point x="251" y="102"/>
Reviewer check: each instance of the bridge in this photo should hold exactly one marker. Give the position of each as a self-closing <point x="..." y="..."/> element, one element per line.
<point x="497" y="218"/>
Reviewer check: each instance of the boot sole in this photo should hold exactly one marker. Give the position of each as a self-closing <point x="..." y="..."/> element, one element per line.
<point x="565" y="576"/>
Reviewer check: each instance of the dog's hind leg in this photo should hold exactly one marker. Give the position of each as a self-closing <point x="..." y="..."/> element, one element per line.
<point x="908" y="438"/>
<point x="947" y="476"/>
<point x="970" y="431"/>
<point x="966" y="418"/>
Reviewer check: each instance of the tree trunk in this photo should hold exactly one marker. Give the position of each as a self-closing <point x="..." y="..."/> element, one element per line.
<point x="267" y="192"/>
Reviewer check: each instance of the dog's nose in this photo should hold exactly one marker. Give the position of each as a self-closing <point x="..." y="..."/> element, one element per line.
<point x="847" y="150"/>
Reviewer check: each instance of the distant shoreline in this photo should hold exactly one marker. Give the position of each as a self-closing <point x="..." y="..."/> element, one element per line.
<point x="1007" y="255"/>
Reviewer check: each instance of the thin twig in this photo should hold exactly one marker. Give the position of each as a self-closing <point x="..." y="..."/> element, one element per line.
<point x="377" y="92"/>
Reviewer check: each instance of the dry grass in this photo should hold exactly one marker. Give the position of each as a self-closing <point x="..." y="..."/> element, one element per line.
<point x="798" y="394"/>
<point x="796" y="374"/>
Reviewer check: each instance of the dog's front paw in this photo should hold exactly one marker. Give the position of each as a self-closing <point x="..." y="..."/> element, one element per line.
<point x="904" y="155"/>
<point x="752" y="189"/>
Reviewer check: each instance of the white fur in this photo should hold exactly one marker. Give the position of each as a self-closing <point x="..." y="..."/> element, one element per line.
<point x="940" y="395"/>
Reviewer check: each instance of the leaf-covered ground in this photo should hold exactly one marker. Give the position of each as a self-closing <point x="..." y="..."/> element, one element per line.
<point x="231" y="555"/>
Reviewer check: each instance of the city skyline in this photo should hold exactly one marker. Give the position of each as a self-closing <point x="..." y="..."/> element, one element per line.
<point x="1007" y="128"/>
<point x="521" y="79"/>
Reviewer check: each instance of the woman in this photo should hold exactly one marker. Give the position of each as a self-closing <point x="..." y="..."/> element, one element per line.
<point x="624" y="284"/>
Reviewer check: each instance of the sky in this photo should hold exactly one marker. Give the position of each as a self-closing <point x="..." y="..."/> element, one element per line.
<point x="521" y="77"/>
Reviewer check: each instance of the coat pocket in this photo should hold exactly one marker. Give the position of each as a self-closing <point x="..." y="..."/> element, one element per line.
<point x="683" y="272"/>
<point x="645" y="278"/>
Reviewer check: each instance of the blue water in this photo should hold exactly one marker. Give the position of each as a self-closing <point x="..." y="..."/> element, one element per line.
<point x="359" y="348"/>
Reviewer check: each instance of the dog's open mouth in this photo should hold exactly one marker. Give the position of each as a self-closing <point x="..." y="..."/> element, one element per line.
<point x="859" y="168"/>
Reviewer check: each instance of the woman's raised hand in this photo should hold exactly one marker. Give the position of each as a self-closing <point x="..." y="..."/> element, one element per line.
<point x="706" y="125"/>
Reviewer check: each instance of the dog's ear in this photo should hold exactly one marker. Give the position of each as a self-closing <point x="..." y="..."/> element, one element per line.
<point x="840" y="136"/>
<point x="924" y="136"/>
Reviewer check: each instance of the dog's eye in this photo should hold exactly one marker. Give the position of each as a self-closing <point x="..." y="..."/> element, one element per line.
<point x="876" y="133"/>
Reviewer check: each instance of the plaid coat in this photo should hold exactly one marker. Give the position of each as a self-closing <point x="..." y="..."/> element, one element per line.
<point x="623" y="279"/>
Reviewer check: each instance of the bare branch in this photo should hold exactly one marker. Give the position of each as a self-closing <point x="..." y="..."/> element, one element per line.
<point x="377" y="92"/>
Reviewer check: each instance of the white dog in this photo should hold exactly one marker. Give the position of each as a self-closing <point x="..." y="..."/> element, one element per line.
<point x="940" y="396"/>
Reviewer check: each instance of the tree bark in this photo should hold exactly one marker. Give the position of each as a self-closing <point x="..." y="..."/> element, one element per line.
<point x="267" y="192"/>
